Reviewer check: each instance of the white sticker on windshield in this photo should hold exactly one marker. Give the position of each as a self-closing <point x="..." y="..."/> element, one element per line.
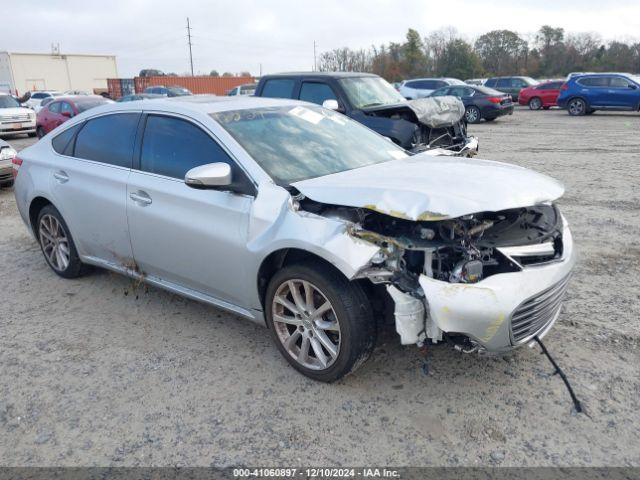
<point x="306" y="114"/>
<point x="397" y="154"/>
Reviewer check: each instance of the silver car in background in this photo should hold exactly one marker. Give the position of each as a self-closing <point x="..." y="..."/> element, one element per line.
<point x="296" y="216"/>
<point x="423" y="87"/>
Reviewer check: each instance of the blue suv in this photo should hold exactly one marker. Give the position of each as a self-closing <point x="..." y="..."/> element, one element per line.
<point x="584" y="94"/>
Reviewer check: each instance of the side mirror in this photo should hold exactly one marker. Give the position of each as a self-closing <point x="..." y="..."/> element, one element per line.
<point x="211" y="175"/>
<point x="67" y="114"/>
<point x="633" y="87"/>
<point x="331" y="105"/>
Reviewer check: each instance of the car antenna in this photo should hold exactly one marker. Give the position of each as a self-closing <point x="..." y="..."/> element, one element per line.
<point x="576" y="402"/>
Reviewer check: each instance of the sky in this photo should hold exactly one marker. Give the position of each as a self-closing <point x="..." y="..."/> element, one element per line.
<point x="279" y="35"/>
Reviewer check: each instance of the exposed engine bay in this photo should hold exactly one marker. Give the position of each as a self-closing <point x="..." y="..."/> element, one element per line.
<point x="460" y="250"/>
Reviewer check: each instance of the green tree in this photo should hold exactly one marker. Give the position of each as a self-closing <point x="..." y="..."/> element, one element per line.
<point x="214" y="73"/>
<point x="414" y="58"/>
<point x="502" y="52"/>
<point x="458" y="60"/>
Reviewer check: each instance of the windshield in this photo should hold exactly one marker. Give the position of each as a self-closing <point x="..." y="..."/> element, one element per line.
<point x="295" y="143"/>
<point x="8" y="102"/>
<point x="366" y="92"/>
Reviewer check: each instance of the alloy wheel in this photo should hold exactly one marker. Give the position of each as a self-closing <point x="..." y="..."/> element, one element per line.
<point x="55" y="243"/>
<point x="306" y="324"/>
<point x="472" y="115"/>
<point x="535" y="103"/>
<point x="576" y="107"/>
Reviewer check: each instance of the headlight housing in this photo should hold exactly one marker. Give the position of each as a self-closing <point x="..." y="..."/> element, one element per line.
<point x="8" y="154"/>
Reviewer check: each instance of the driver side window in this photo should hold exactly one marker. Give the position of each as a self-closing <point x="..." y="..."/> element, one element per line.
<point x="172" y="146"/>
<point x="316" y="92"/>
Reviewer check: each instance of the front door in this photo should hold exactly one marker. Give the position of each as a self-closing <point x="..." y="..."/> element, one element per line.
<point x="189" y="237"/>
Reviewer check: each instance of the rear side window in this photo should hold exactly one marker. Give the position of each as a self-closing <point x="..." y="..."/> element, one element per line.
<point x="490" y="83"/>
<point x="108" y="139"/>
<point x="62" y="143"/>
<point x="38" y="95"/>
<point x="278" y="88"/>
<point x="504" y="83"/>
<point x="593" y="81"/>
<point x="316" y="92"/>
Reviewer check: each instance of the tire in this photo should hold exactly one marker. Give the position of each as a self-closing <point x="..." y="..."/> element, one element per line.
<point x="31" y="134"/>
<point x="535" y="103"/>
<point x="56" y="243"/>
<point x="576" y="107"/>
<point x="40" y="132"/>
<point x="347" y="323"/>
<point x="472" y="114"/>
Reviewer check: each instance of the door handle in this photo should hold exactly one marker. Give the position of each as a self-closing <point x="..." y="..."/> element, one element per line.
<point x="141" y="198"/>
<point x="61" y="176"/>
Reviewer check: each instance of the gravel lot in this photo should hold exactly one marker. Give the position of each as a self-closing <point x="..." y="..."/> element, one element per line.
<point x="96" y="372"/>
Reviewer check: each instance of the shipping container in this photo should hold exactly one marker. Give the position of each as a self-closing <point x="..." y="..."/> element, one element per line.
<point x="197" y="85"/>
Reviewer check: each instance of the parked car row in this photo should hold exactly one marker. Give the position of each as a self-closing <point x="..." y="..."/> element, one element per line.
<point x="61" y="109"/>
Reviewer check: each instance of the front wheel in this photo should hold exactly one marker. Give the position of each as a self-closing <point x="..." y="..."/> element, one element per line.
<point x="577" y="107"/>
<point x="40" y="132"/>
<point x="321" y="323"/>
<point x="535" y="103"/>
<point x="472" y="114"/>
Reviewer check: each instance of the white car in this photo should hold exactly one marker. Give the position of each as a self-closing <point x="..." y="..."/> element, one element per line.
<point x="248" y="89"/>
<point x="7" y="154"/>
<point x="37" y="97"/>
<point x="422" y="87"/>
<point x="14" y="118"/>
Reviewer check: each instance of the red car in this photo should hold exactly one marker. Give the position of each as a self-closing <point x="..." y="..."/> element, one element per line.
<point x="62" y="109"/>
<point x="543" y="95"/>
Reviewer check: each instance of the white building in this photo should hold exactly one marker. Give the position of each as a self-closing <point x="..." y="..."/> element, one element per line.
<point x="20" y="72"/>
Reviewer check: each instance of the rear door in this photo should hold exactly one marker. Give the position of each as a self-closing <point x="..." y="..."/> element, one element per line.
<point x="89" y="185"/>
<point x="181" y="235"/>
<point x="594" y="90"/>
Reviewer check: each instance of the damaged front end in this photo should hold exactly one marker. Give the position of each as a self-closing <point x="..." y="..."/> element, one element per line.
<point x="425" y="124"/>
<point x="488" y="281"/>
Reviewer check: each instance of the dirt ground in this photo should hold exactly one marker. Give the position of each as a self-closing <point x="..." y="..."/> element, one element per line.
<point x="93" y="372"/>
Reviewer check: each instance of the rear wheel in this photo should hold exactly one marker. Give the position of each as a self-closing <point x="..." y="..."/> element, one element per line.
<point x="31" y="134"/>
<point x="472" y="114"/>
<point x="535" y="103"/>
<point x="56" y="243"/>
<point x="577" y="107"/>
<point x="321" y="323"/>
<point x="40" y="132"/>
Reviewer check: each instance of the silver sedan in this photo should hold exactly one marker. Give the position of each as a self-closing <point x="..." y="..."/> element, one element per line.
<point x="299" y="218"/>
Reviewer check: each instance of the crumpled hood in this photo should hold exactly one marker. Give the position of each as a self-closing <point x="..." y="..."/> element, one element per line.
<point x="424" y="187"/>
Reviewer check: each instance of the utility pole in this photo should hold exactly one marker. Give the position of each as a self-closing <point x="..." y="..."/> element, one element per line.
<point x="189" y="40"/>
<point x="315" y="64"/>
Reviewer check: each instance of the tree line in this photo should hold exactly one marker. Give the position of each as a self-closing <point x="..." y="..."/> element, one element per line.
<point x="548" y="53"/>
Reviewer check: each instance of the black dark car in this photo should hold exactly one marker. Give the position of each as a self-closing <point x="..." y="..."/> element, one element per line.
<point x="372" y="101"/>
<point x="510" y="85"/>
<point x="479" y="102"/>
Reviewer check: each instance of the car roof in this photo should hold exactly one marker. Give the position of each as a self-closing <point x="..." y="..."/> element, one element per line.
<point x="202" y="104"/>
<point x="321" y="74"/>
<point x="602" y="74"/>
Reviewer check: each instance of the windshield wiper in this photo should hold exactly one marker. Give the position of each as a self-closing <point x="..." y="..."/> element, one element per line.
<point x="375" y="104"/>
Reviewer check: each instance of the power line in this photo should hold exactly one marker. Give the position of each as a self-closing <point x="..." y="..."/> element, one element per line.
<point x="189" y="40"/>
